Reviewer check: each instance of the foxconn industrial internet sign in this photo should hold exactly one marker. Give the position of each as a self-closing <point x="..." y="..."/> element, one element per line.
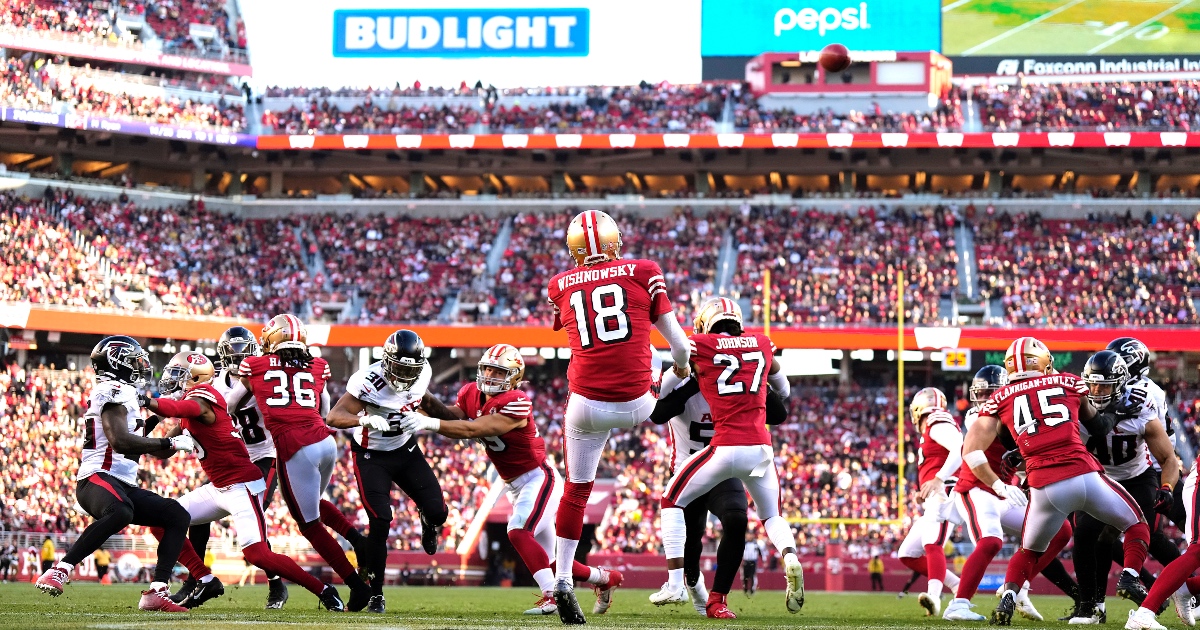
<point x="460" y="33"/>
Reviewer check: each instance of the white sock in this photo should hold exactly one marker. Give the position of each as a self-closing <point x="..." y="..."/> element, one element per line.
<point x="565" y="558"/>
<point x="951" y="581"/>
<point x="275" y="578"/>
<point x="935" y="589"/>
<point x="597" y="578"/>
<point x="154" y="586"/>
<point x="672" y="532"/>
<point x="65" y="567"/>
<point x="780" y="533"/>
<point x="1132" y="572"/>
<point x="1100" y="607"/>
<point x="1024" y="592"/>
<point x="544" y="579"/>
<point x="206" y="579"/>
<point x="675" y="578"/>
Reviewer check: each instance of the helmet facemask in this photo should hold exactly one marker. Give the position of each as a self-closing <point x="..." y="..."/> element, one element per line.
<point x="402" y="372"/>
<point x="495" y="379"/>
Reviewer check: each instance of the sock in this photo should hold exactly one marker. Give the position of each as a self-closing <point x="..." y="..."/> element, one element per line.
<point x="565" y="558"/>
<point x="780" y="533"/>
<point x="935" y="558"/>
<point x="675" y="578"/>
<point x="1058" y="576"/>
<point x="729" y="551"/>
<point x="1137" y="541"/>
<point x="1021" y="566"/>
<point x="1175" y="575"/>
<point x="951" y="580"/>
<point x="206" y="579"/>
<point x="65" y="567"/>
<point x="335" y="520"/>
<point x="583" y="573"/>
<point x="331" y="552"/>
<point x="532" y="554"/>
<point x="1024" y="592"/>
<point x="154" y="586"/>
<point x="187" y="557"/>
<point x="976" y="566"/>
<point x="545" y="579"/>
<point x="934" y="588"/>
<point x="916" y="564"/>
<point x="198" y="535"/>
<point x="1060" y="540"/>
<point x="374" y="556"/>
<point x="1193" y="584"/>
<point x="673" y="532"/>
<point x="261" y="556"/>
<point x="1162" y="548"/>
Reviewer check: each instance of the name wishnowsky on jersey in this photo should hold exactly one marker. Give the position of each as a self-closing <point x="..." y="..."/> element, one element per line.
<point x="725" y="343"/>
<point x="592" y="275"/>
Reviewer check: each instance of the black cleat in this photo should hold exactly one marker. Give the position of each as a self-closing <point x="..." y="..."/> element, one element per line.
<point x="429" y="537"/>
<point x="376" y="605"/>
<point x="1002" y="616"/>
<point x="330" y="599"/>
<point x="1130" y="587"/>
<point x="205" y="591"/>
<point x="359" y="598"/>
<point x="1080" y="609"/>
<point x="185" y="591"/>
<point x="277" y="594"/>
<point x="568" y="607"/>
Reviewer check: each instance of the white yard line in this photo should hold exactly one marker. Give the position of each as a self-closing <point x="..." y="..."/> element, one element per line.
<point x="954" y="5"/>
<point x="1139" y="27"/>
<point x="1017" y="29"/>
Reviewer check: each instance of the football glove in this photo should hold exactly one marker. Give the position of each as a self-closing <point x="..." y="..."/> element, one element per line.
<point x="378" y="423"/>
<point x="1164" y="500"/>
<point x="412" y="422"/>
<point x="1012" y="493"/>
<point x="1132" y="405"/>
<point x="1013" y="459"/>
<point x="183" y="443"/>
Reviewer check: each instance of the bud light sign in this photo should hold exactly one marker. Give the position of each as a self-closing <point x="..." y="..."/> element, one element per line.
<point x="460" y="33"/>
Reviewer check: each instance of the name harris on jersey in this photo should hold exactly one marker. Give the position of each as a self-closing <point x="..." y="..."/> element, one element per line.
<point x="592" y="275"/>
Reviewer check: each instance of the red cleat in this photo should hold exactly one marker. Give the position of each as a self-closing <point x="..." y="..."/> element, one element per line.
<point x="716" y="608"/>
<point x="604" y="593"/>
<point x="159" y="599"/>
<point x="52" y="581"/>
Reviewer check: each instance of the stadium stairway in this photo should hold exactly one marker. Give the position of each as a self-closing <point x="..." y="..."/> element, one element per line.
<point x="494" y="259"/>
<point x="726" y="260"/>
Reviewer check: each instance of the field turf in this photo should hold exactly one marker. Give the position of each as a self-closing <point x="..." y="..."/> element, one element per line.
<point x="114" y="607"/>
<point x="1070" y="27"/>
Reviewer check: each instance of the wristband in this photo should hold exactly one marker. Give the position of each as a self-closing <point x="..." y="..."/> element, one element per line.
<point x="975" y="458"/>
<point x="166" y="443"/>
<point x="1166" y="486"/>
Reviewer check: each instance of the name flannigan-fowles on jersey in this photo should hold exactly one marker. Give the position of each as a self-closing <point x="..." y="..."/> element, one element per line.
<point x="1123" y="452"/>
<point x="381" y="399"/>
<point x="98" y="455"/>
<point x="246" y="419"/>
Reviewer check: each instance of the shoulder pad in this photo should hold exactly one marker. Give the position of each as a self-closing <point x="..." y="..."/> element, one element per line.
<point x="113" y="392"/>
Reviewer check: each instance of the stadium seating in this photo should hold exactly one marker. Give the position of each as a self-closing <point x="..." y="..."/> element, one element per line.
<point x="1153" y="106"/>
<point x="749" y="115"/>
<point x="94" y="21"/>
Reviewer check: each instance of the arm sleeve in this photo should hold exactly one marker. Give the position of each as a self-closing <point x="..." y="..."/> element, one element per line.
<point x="1100" y="424"/>
<point x="949" y="437"/>
<point x="325" y="402"/>
<point x="776" y="411"/>
<point x="179" y="408"/>
<point x="779" y="384"/>
<point x="673" y="332"/>
<point x="674" y="403"/>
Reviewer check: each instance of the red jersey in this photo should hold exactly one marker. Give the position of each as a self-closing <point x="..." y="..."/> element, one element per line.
<point x="732" y="374"/>
<point x="995" y="459"/>
<point x="289" y="398"/>
<point x="608" y="310"/>
<point x="518" y="451"/>
<point x="1042" y="413"/>
<point x="933" y="455"/>
<point x="222" y="454"/>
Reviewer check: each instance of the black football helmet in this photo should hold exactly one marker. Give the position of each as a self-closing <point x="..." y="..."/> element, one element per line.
<point x="987" y="380"/>
<point x="121" y="359"/>
<point x="236" y="344"/>
<point x="1106" y="376"/>
<point x="1134" y="352"/>
<point x="403" y="358"/>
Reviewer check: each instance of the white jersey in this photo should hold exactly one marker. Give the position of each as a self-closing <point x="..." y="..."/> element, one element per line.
<point x="248" y="421"/>
<point x="1124" y="453"/>
<point x="98" y="455"/>
<point x="692" y="430"/>
<point x="381" y="399"/>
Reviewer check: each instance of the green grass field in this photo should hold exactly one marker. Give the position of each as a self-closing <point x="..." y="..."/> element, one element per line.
<point x="112" y="607"/>
<point x="1070" y="27"/>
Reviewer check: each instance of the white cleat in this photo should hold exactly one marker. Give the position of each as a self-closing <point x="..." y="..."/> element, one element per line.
<point x="699" y="595"/>
<point x="666" y="596"/>
<point x="960" y="610"/>
<point x="544" y="606"/>
<point x="1184" y="606"/>
<point x="1025" y="606"/>
<point x="1143" y="619"/>
<point x="932" y="605"/>
<point x="795" y="583"/>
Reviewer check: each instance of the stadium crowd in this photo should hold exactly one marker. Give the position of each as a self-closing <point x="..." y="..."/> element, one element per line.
<point x="1153" y="106"/>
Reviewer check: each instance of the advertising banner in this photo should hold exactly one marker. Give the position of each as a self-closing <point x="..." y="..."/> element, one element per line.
<point x="460" y="33"/>
<point x="751" y="27"/>
<point x="1075" y="65"/>
<point x="138" y="128"/>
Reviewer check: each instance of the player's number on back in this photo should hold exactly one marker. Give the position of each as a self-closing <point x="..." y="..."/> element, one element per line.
<point x="732" y="365"/>
<point x="1049" y="414"/>
<point x="252" y="432"/>
<point x="493" y="443"/>
<point x="611" y="323"/>
<point x="304" y="396"/>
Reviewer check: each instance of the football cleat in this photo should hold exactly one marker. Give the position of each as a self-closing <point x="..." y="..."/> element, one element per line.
<point x="185" y="591"/>
<point x="1025" y="606"/>
<point x="377" y="605"/>
<point x="1002" y="616"/>
<point x="794" y="573"/>
<point x="1088" y="614"/>
<point x="203" y="592"/>
<point x="604" y="592"/>
<point x="931" y="604"/>
<point x="717" y="607"/>
<point x="159" y="599"/>
<point x="52" y="581"/>
<point x="699" y="595"/>
<point x="1143" y="619"/>
<point x="666" y="595"/>
<point x="1184" y="605"/>
<point x="277" y="594"/>
<point x="959" y="609"/>
<point x="569" y="611"/>
<point x="1130" y="587"/>
<point x="330" y="599"/>
<point x="429" y="537"/>
<point x="544" y="606"/>
<point x="359" y="598"/>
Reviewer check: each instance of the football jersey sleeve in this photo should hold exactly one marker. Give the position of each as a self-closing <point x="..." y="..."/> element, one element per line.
<point x="460" y="400"/>
<point x="114" y="393"/>
<point x="246" y="367"/>
<point x="204" y="393"/>
<point x="1079" y="385"/>
<point x="657" y="286"/>
<point x="518" y="407"/>
<point x="325" y="373"/>
<point x="989" y="407"/>
<point x="357" y="385"/>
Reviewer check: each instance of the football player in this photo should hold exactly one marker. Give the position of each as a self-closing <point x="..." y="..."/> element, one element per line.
<point x="287" y="383"/>
<point x="376" y="400"/>
<point x="732" y="369"/>
<point x="498" y="414"/>
<point x="1125" y="454"/>
<point x="988" y="517"/>
<point x="1042" y="409"/>
<point x="236" y="344"/>
<point x="689" y="418"/>
<point x="107" y="489"/>
<point x="607" y="305"/>
<point x="940" y="456"/>
<point x="235" y="484"/>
